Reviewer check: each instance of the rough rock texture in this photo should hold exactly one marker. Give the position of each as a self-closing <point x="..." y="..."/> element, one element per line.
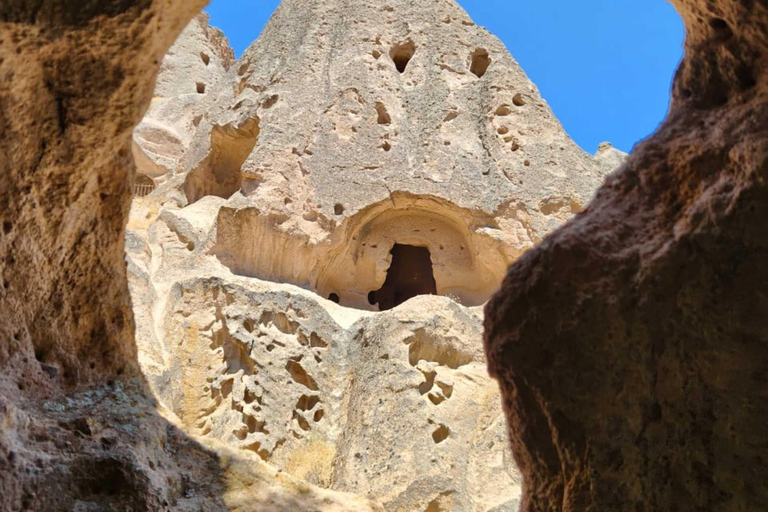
<point x="78" y="429"/>
<point x="196" y="62"/>
<point x="631" y="346"/>
<point x="306" y="163"/>
<point x="349" y="126"/>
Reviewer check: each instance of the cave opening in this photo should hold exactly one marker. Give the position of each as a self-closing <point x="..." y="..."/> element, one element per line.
<point x="410" y="274"/>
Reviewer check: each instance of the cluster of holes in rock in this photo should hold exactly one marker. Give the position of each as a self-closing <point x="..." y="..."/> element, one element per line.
<point x="237" y="358"/>
<point x="503" y="130"/>
<point x="401" y="54"/>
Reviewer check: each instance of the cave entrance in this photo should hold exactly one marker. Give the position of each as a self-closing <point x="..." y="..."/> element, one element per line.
<point x="409" y="275"/>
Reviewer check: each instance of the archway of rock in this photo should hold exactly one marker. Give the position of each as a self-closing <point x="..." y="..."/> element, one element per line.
<point x="409" y="275"/>
<point x="466" y="263"/>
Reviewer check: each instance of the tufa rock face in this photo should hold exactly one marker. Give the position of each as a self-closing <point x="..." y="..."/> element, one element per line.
<point x="361" y="163"/>
<point x="648" y="351"/>
<point x="405" y="123"/>
<point x="196" y="62"/>
<point x="630" y="345"/>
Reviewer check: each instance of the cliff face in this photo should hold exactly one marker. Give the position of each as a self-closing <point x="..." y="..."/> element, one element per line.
<point x="629" y="344"/>
<point x="348" y="127"/>
<point x="358" y="154"/>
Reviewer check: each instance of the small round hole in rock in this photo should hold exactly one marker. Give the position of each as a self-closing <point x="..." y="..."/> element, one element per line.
<point x="383" y="115"/>
<point x="338" y="209"/>
<point x="402" y="54"/>
<point x="518" y="100"/>
<point x="503" y="110"/>
<point x="480" y="62"/>
<point x="200" y="88"/>
<point x="205" y="58"/>
<point x="334" y="298"/>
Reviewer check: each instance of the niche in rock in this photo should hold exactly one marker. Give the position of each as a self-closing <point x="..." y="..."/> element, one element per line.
<point x="410" y="274"/>
<point x="480" y="62"/>
<point x="402" y="55"/>
<point x="220" y="173"/>
<point x="143" y="185"/>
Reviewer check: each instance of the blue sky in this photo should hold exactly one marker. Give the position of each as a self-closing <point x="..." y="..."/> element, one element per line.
<point x="604" y="66"/>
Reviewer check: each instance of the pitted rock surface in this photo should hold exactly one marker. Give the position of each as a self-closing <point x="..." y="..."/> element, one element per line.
<point x="309" y="165"/>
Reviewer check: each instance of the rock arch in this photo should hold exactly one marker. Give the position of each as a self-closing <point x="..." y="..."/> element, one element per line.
<point x="468" y="263"/>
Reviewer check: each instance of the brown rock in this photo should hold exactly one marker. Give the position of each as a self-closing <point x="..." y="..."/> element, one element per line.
<point x="630" y="346"/>
<point x="75" y="80"/>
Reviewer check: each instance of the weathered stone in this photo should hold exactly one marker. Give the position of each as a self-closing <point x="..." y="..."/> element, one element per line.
<point x="631" y="363"/>
<point x="396" y="170"/>
<point x="195" y="63"/>
<point x="630" y="345"/>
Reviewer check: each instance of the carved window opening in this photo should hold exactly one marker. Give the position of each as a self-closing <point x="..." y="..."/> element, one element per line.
<point x="143" y="186"/>
<point x="410" y="274"/>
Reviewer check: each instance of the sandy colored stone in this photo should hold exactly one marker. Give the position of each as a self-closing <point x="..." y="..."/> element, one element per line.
<point x="297" y="182"/>
<point x="643" y="316"/>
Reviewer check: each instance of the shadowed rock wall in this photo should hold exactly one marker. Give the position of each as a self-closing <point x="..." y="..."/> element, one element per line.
<point x="631" y="345"/>
<point x="75" y="81"/>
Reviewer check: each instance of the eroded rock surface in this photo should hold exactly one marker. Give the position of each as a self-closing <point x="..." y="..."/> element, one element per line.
<point x="402" y="152"/>
<point x="631" y="344"/>
<point x="331" y="140"/>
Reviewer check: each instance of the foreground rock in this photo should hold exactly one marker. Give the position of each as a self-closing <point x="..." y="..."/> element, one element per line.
<point x="631" y="344"/>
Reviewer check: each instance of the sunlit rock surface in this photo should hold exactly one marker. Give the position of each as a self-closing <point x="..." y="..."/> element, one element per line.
<point x="358" y="155"/>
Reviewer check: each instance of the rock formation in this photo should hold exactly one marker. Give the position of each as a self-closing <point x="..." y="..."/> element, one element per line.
<point x="365" y="164"/>
<point x="628" y="344"/>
